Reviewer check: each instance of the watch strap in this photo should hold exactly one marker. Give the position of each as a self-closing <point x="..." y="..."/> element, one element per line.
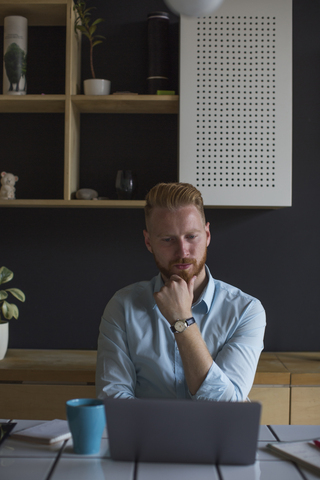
<point x="190" y="321"/>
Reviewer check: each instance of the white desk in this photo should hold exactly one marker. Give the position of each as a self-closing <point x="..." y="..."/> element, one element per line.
<point x="21" y="460"/>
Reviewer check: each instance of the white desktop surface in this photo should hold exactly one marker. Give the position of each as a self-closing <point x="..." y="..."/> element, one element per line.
<point x="58" y="462"/>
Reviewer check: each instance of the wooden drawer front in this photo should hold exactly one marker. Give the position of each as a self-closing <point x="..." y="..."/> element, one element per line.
<point x="305" y="405"/>
<point x="40" y="402"/>
<point x="275" y="404"/>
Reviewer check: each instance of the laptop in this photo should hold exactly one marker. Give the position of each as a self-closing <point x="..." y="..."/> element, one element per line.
<point x="183" y="431"/>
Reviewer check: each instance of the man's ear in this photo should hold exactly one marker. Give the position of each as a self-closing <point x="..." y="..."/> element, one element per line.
<point x="207" y="229"/>
<point x="147" y="240"/>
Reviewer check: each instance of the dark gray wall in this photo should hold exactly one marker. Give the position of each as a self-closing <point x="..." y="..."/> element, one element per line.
<point x="69" y="262"/>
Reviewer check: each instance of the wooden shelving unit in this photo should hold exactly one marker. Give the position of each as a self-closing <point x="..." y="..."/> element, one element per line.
<point x="32" y="104"/>
<point x="127" y="104"/>
<point x="71" y="104"/>
<point x="150" y="104"/>
<point x="73" y="203"/>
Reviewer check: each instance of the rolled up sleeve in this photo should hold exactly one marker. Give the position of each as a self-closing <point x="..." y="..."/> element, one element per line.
<point x="231" y="375"/>
<point x="115" y="372"/>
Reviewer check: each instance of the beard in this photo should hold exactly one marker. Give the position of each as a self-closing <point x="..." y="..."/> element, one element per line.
<point x="184" y="274"/>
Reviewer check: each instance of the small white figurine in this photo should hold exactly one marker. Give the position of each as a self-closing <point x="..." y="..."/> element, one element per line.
<point x="7" y="191"/>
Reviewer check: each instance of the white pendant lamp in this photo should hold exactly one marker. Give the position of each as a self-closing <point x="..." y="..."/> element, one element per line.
<point x="193" y="8"/>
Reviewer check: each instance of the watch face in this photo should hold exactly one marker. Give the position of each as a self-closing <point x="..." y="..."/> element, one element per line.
<point x="180" y="325"/>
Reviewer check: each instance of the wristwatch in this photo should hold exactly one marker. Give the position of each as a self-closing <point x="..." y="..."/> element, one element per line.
<point x="179" y="326"/>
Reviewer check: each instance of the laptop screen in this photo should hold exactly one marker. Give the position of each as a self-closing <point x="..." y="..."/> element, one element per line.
<point x="183" y="431"/>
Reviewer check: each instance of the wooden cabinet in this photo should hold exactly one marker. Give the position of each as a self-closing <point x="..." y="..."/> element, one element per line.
<point x="70" y="104"/>
<point x="272" y="389"/>
<point x="35" y="384"/>
<point x="304" y="368"/>
<point x="288" y="386"/>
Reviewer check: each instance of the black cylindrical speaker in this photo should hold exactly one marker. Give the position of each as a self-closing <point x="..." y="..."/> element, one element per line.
<point x="158" y="52"/>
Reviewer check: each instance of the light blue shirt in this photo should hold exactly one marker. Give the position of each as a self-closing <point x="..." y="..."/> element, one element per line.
<point x="138" y="355"/>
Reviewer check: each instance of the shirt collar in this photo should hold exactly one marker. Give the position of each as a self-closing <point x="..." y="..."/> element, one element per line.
<point x="158" y="284"/>
<point x="205" y="297"/>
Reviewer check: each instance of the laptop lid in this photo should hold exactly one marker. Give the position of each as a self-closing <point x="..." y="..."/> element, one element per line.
<point x="183" y="431"/>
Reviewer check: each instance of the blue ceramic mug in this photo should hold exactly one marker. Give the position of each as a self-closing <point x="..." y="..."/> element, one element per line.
<point x="86" y="418"/>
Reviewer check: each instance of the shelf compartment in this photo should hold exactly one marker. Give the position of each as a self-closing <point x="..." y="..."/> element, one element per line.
<point x="168" y="104"/>
<point x="32" y="104"/>
<point x="32" y="138"/>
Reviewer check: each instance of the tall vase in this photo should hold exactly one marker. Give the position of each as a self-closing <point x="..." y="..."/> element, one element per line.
<point x="15" y="55"/>
<point x="4" y="338"/>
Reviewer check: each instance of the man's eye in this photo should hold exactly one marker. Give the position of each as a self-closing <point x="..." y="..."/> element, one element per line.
<point x="191" y="237"/>
<point x="167" y="240"/>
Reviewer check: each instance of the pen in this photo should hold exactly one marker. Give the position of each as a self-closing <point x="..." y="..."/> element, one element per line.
<point x="317" y="443"/>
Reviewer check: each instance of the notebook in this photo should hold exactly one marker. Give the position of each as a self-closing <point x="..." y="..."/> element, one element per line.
<point x="48" y="433"/>
<point x="304" y="453"/>
<point x="183" y="431"/>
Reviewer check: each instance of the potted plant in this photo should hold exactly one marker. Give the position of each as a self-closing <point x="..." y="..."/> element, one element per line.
<point x="7" y="310"/>
<point x="93" y="86"/>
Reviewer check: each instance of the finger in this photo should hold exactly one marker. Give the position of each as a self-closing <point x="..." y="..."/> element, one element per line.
<point x="176" y="278"/>
<point x="191" y="283"/>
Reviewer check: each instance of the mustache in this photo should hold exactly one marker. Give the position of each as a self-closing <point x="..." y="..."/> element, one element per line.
<point x="182" y="261"/>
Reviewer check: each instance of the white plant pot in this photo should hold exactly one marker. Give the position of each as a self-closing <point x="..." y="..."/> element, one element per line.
<point x="4" y="339"/>
<point x="96" y="86"/>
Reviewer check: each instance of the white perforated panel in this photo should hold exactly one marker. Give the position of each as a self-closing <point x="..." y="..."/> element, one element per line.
<point x="235" y="103"/>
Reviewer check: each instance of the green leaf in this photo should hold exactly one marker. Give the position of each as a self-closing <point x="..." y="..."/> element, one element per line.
<point x="92" y="29"/>
<point x="88" y="9"/>
<point x="15" y="310"/>
<point x="99" y="20"/>
<point x="10" y="310"/>
<point x="5" y="275"/>
<point x="16" y="292"/>
<point x="3" y="295"/>
<point x="4" y="309"/>
<point x="82" y="28"/>
<point x="96" y="42"/>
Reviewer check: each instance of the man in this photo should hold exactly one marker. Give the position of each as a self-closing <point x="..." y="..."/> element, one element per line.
<point x="183" y="334"/>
